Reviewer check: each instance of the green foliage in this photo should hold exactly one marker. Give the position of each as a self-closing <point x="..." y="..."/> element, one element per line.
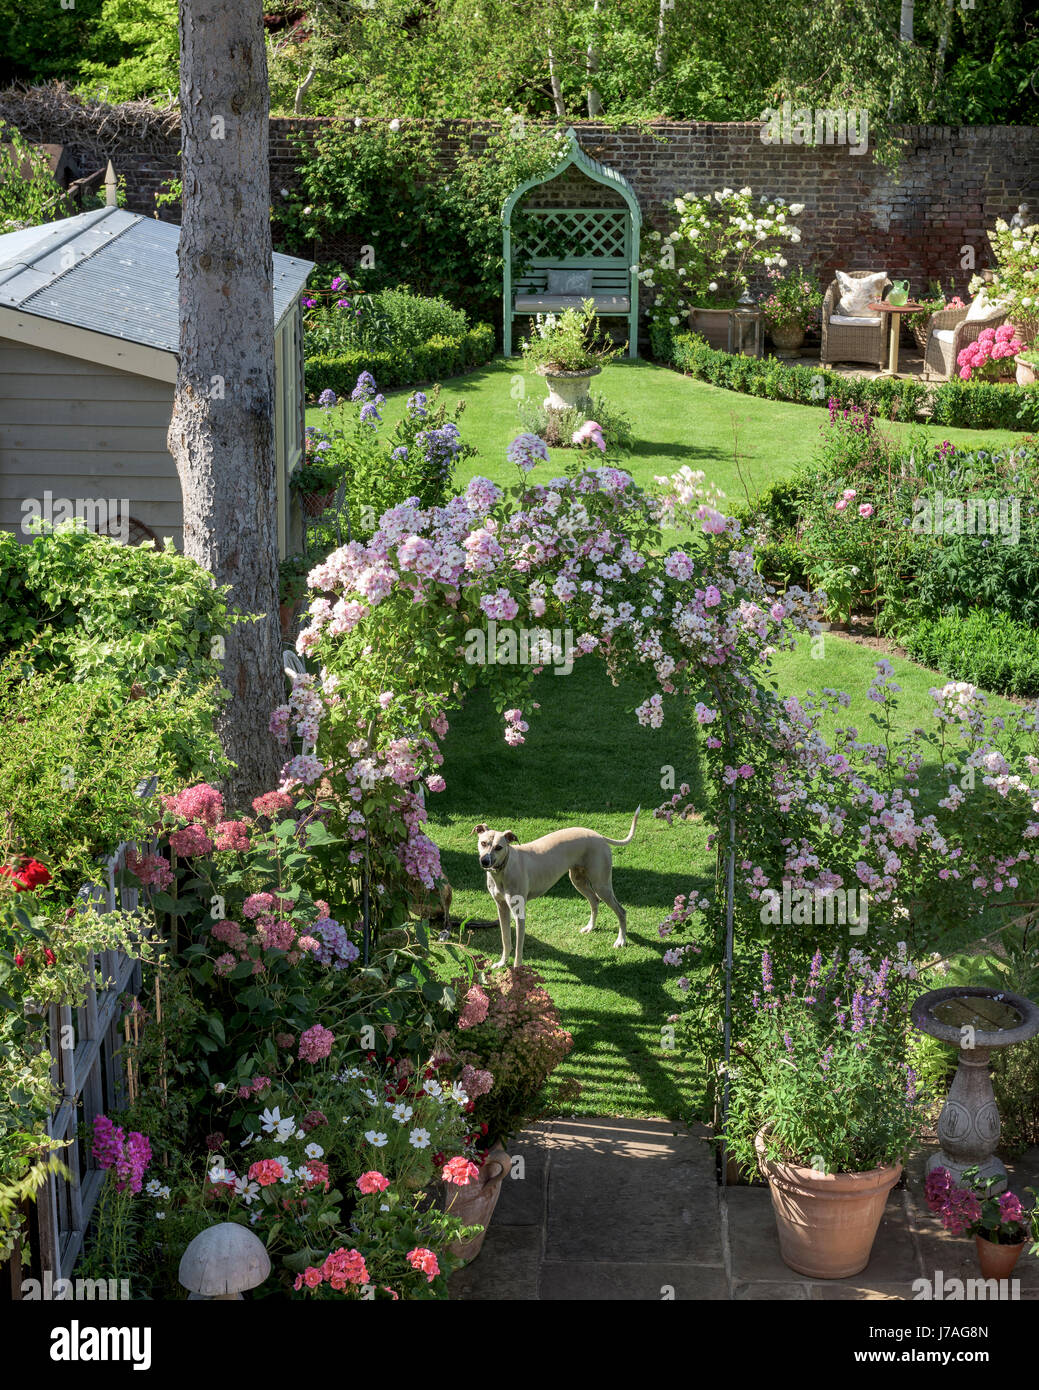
<point x="28" y="192"/>
<point x="557" y="428"/>
<point x="139" y="51"/>
<point x="570" y="341"/>
<point x="399" y="365"/>
<point x="955" y="403"/>
<point x="989" y="649"/>
<point x="437" y="230"/>
<point x="350" y="320"/>
<point x="133" y="616"/>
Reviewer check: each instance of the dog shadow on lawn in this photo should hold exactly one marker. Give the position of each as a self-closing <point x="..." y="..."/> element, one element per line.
<point x="594" y="969"/>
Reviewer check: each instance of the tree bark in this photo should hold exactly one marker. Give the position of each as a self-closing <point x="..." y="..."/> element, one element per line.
<point x="592" y="66"/>
<point x="301" y="91"/>
<point x="905" y="24"/>
<point x="554" y="83"/>
<point x="222" y="431"/>
<point x="660" y="52"/>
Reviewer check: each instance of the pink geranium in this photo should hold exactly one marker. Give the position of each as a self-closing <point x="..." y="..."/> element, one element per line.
<point x="461" y="1171"/>
<point x="424" y="1260"/>
<point x="372" y="1181"/>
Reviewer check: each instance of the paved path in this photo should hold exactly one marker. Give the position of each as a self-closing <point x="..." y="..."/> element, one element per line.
<point x="631" y="1209"/>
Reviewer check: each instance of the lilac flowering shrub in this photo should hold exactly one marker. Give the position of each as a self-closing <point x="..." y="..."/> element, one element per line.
<point x="416" y="459"/>
<point x="821" y="1067"/>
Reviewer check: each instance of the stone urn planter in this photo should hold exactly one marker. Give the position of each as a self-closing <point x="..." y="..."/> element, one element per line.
<point x="997" y="1261"/>
<point x="788" y="337"/>
<point x="713" y="324"/>
<point x="474" y="1204"/>
<point x="568" y="390"/>
<point x="1027" y="374"/>
<point x="827" y="1222"/>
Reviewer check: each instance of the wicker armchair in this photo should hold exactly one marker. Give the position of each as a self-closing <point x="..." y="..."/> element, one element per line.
<point x="843" y="342"/>
<point x="949" y="332"/>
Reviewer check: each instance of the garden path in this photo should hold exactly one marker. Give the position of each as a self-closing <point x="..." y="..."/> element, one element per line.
<point x="621" y="1209"/>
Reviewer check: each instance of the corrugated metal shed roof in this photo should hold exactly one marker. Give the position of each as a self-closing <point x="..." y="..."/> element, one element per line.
<point x="114" y="272"/>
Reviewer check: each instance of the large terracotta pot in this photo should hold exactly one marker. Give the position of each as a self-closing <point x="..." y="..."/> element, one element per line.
<point x="997" y="1261"/>
<point x="1027" y="375"/>
<point x="568" y="390"/>
<point x="827" y="1222"/>
<point x="474" y="1204"/>
<point x="787" y="337"/>
<point x="712" y="324"/>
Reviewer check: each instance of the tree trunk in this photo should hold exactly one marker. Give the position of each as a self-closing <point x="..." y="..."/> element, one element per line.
<point x="222" y="431"/>
<point x="592" y="65"/>
<point x="660" y="52"/>
<point x="301" y="91"/>
<point x="905" y="26"/>
<point x="553" y="79"/>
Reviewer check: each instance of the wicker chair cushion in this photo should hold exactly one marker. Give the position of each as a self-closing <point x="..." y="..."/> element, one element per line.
<point x="855" y="320"/>
<point x="944" y="335"/>
<point x="857" y="291"/>
<point x="981" y="306"/>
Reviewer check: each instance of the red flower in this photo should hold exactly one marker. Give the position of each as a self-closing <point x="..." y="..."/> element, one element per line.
<point x="19" y="960"/>
<point x="48" y="955"/>
<point x="28" y="874"/>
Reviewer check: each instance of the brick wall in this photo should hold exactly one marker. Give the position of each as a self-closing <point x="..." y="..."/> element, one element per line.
<point x="953" y="184"/>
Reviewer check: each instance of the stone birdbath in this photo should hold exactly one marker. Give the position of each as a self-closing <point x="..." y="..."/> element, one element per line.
<point x="976" y="1020"/>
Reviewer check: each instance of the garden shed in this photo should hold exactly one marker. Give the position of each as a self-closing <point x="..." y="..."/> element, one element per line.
<point x="89" y="332"/>
<point x="579" y="240"/>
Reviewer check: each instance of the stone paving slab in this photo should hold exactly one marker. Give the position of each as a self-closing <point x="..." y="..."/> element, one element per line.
<point x="611" y="1209"/>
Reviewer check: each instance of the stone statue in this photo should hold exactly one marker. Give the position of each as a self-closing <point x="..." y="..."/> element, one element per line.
<point x="1022" y="217"/>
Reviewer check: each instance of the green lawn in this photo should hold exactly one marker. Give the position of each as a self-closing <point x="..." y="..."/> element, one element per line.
<point x="676" y="420"/>
<point x="587" y="762"/>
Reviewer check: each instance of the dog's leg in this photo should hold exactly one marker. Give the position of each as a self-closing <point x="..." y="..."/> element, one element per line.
<point x="505" y="923"/>
<point x="519" y="916"/>
<point x="580" y="882"/>
<point x="605" y="891"/>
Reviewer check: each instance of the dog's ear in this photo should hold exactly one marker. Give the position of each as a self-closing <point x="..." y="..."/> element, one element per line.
<point x="512" y="836"/>
<point x="479" y="829"/>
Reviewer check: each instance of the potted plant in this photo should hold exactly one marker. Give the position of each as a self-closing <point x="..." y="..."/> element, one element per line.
<point x="1027" y="366"/>
<point x="1012" y="282"/>
<point x="791" y="305"/>
<point x="989" y="357"/>
<point x="704" y="265"/>
<point x="567" y="350"/>
<point x="830" y="1163"/>
<point x="509" y="1041"/>
<point x="319" y="473"/>
<point x="996" y="1221"/>
<point x="292" y="585"/>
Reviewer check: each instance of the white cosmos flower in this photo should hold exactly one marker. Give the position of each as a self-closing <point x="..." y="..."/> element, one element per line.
<point x="432" y="1088"/>
<point x="375" y="1138"/>
<point x="160" y="1216"/>
<point x="314" y="1151"/>
<point x="402" y="1113"/>
<point x="270" y="1120"/>
<point x="248" y="1191"/>
<point x="371" y="1097"/>
<point x="458" y="1093"/>
<point x="419" y="1138"/>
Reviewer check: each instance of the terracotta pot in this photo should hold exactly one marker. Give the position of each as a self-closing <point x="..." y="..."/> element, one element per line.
<point x="997" y="1261"/>
<point x="474" y="1204"/>
<point x="1027" y="375"/>
<point x="712" y="324"/>
<point x="314" y="503"/>
<point x="287" y="614"/>
<point x="568" y="390"/>
<point x="827" y="1222"/>
<point x="787" y="336"/>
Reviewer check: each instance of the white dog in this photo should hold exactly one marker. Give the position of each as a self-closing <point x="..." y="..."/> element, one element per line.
<point x="516" y="873"/>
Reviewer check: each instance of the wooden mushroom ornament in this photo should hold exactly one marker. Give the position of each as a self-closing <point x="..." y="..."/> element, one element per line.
<point x="222" y="1261"/>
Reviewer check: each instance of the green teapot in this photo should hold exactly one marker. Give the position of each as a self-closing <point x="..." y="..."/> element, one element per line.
<point x="899" y="292"/>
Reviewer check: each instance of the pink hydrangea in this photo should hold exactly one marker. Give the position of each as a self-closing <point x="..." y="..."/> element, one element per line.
<point x="152" y="869"/>
<point x="475" y="1083"/>
<point x="190" y="841"/>
<point x="201" y="802"/>
<point x="474" y="1009"/>
<point x="315" y="1043"/>
<point x="276" y="935"/>
<point x="257" y="903"/>
<point x="270" y="803"/>
<point x="230" y="933"/>
<point x="232" y="835"/>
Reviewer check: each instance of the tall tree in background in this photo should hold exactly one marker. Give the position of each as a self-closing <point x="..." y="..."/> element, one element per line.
<point x="222" y="431"/>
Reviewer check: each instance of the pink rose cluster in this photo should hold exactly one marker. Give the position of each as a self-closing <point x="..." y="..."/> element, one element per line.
<point x="992" y="345"/>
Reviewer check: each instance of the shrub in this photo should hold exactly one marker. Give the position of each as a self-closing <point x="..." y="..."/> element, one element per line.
<point x="988" y="649"/>
<point x="980" y="405"/>
<point x="350" y="319"/>
<point x="399" y="365"/>
<point x="84" y="607"/>
<point x="557" y="428"/>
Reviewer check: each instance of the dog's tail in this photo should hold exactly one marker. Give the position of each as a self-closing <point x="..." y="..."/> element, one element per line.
<point x="631" y="833"/>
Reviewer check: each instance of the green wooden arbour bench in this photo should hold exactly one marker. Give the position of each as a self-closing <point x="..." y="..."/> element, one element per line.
<point x="604" y="251"/>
